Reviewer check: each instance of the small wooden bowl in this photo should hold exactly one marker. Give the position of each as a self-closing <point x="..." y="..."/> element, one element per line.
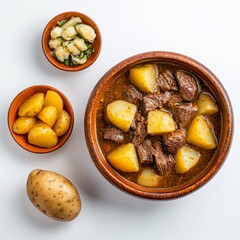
<point x="13" y="115"/>
<point x="223" y="145"/>
<point x="97" y="44"/>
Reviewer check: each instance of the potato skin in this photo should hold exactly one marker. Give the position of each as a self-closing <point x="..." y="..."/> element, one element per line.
<point x="52" y="98"/>
<point x="48" y="115"/>
<point x="32" y="105"/>
<point x="42" y="135"/>
<point x="62" y="124"/>
<point x="23" y="124"/>
<point x="53" y="194"/>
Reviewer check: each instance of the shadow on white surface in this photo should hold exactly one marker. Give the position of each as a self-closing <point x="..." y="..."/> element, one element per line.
<point x="33" y="216"/>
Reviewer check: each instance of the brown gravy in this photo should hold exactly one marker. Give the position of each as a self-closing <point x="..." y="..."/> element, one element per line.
<point x="115" y="91"/>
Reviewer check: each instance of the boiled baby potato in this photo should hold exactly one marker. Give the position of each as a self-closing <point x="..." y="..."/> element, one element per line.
<point x="121" y="114"/>
<point x="186" y="158"/>
<point x="144" y="77"/>
<point x="206" y="105"/>
<point x="148" y="178"/>
<point x="54" y="195"/>
<point x="52" y="98"/>
<point x="42" y="135"/>
<point x="62" y="124"/>
<point x="23" y="124"/>
<point x="160" y="122"/>
<point x="32" y="105"/>
<point x="48" y="115"/>
<point x="124" y="158"/>
<point x="200" y="133"/>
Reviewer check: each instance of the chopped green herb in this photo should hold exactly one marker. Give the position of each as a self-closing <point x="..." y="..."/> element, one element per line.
<point x="62" y="22"/>
<point x="66" y="61"/>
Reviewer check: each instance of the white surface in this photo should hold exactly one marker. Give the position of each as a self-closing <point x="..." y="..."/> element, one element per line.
<point x="207" y="31"/>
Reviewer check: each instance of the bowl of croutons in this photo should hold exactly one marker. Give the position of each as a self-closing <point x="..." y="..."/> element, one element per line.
<point x="71" y="41"/>
<point x="159" y="125"/>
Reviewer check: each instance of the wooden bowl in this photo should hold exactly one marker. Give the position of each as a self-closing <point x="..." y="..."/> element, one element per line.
<point x="13" y="115"/>
<point x="223" y="145"/>
<point x="46" y="37"/>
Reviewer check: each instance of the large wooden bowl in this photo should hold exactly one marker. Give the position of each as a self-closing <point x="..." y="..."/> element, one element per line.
<point x="226" y="125"/>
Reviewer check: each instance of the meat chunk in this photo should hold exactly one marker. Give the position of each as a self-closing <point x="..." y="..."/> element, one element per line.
<point x="164" y="162"/>
<point x="140" y="132"/>
<point x="173" y="100"/>
<point x="187" y="85"/>
<point x="132" y="95"/>
<point x="174" y="140"/>
<point x="167" y="82"/>
<point x="113" y="134"/>
<point x="145" y="152"/>
<point x="153" y="101"/>
<point x="184" y="113"/>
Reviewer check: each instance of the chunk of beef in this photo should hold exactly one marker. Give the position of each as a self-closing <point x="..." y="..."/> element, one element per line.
<point x="140" y="132"/>
<point x="173" y="100"/>
<point x="137" y="118"/>
<point x="145" y="152"/>
<point x="132" y="95"/>
<point x="167" y="82"/>
<point x="174" y="140"/>
<point x="184" y="113"/>
<point x="164" y="162"/>
<point x="153" y="101"/>
<point x="187" y="85"/>
<point x="113" y="134"/>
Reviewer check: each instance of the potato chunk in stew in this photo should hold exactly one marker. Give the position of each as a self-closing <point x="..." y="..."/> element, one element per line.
<point x="121" y="114"/>
<point x="200" y="133"/>
<point x="206" y="105"/>
<point x="186" y="158"/>
<point x="145" y="77"/>
<point x="160" y="122"/>
<point x="124" y="158"/>
<point x="148" y="178"/>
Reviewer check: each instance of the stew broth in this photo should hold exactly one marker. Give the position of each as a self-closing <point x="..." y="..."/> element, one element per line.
<point x="115" y="91"/>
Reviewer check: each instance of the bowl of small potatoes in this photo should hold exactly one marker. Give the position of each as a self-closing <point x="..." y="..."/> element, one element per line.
<point x="71" y="41"/>
<point x="159" y="125"/>
<point x="40" y="119"/>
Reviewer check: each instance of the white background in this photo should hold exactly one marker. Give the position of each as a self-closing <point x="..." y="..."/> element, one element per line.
<point x="207" y="31"/>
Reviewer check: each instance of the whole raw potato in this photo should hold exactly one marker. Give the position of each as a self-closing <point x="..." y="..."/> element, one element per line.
<point x="53" y="195"/>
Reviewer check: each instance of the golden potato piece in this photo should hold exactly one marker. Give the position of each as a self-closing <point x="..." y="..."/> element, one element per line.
<point x="186" y="158"/>
<point x="206" y="105"/>
<point x="62" y="124"/>
<point x="48" y="115"/>
<point x="145" y="77"/>
<point x="53" y="195"/>
<point x="148" y="178"/>
<point x="121" y="114"/>
<point x="200" y="133"/>
<point x="52" y="98"/>
<point x="23" y="125"/>
<point x="42" y="135"/>
<point x="32" y="105"/>
<point x="124" y="158"/>
<point x="160" y="122"/>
